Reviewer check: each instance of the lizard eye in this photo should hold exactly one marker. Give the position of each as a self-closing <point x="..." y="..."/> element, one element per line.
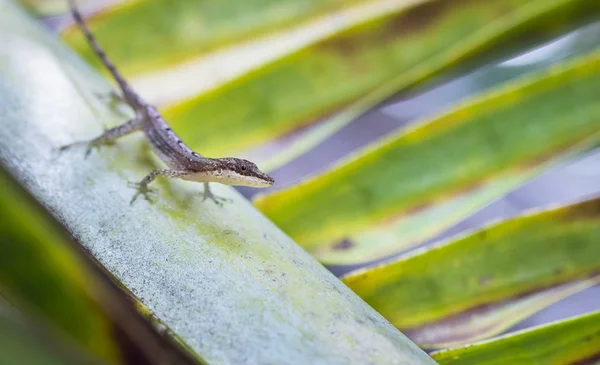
<point x="243" y="168"/>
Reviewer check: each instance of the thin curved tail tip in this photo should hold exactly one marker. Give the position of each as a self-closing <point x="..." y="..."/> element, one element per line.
<point x="128" y="93"/>
<point x="75" y="11"/>
<point x="72" y="6"/>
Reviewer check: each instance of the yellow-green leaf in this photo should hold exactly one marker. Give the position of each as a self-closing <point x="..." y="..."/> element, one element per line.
<point x="38" y="272"/>
<point x="460" y="282"/>
<point x="293" y="145"/>
<point x="365" y="64"/>
<point x="415" y="183"/>
<point x="574" y="341"/>
<point x="145" y="35"/>
<point x="490" y="319"/>
<point x="20" y="345"/>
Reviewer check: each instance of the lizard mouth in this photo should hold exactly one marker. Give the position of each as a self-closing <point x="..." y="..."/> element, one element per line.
<point x="233" y="178"/>
<point x="256" y="179"/>
<point x="258" y="182"/>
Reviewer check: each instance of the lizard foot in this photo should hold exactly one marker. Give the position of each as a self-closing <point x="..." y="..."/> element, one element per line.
<point x="217" y="199"/>
<point x="142" y="189"/>
<point x="94" y="144"/>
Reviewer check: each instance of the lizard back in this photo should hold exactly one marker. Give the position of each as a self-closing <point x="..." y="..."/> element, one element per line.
<point x="166" y="143"/>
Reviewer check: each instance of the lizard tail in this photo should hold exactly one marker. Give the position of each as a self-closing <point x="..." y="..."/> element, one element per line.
<point x="130" y="96"/>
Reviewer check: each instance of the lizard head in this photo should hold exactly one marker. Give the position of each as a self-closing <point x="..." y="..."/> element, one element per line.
<point x="240" y="172"/>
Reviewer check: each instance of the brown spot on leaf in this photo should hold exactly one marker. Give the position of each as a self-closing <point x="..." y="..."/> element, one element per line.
<point x="589" y="209"/>
<point x="344" y="244"/>
<point x="483" y="234"/>
<point x="415" y="19"/>
<point x="538" y="160"/>
<point x="421" y="16"/>
<point x="415" y="209"/>
<point x="405" y="213"/>
<point x="590" y="360"/>
<point x="547" y="155"/>
<point x="470" y="187"/>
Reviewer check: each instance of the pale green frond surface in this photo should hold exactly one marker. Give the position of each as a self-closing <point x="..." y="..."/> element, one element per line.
<point x="360" y="67"/>
<point x="490" y="266"/>
<point x="413" y="184"/>
<point x="228" y="284"/>
<point x="573" y="341"/>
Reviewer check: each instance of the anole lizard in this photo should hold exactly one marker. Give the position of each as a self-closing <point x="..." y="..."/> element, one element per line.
<point x="183" y="163"/>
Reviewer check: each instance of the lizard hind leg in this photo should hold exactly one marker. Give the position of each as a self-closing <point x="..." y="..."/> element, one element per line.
<point x="108" y="137"/>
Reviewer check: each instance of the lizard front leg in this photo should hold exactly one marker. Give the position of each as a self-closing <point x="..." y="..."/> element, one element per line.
<point x="108" y="137"/>
<point x="209" y="195"/>
<point x="142" y="186"/>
